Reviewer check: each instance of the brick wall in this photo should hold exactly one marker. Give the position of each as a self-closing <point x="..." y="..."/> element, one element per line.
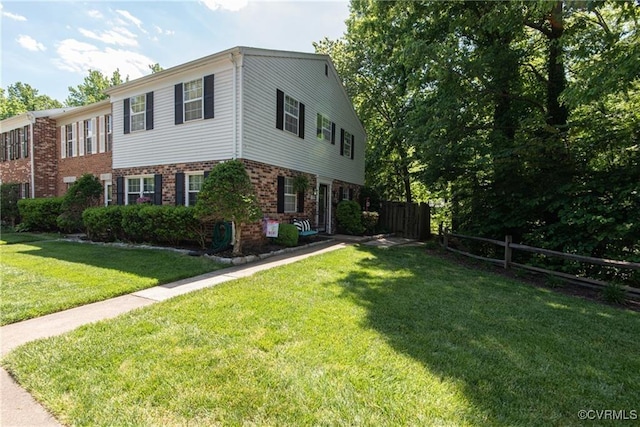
<point x="95" y="164"/>
<point x="45" y="157"/>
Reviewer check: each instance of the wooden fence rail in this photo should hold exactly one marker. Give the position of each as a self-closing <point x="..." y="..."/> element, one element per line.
<point x="507" y="262"/>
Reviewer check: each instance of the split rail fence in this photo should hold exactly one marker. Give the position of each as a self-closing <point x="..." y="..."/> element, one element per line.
<point x="507" y="261"/>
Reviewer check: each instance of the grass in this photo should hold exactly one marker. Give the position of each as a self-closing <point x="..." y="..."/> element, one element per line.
<point x="42" y="276"/>
<point x="361" y="336"/>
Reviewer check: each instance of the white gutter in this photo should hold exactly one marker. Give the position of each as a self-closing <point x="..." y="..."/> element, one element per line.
<point x="32" y="178"/>
<point x="235" y="107"/>
<point x="241" y="113"/>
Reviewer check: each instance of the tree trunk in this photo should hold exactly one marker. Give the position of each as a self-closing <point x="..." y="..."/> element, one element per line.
<point x="237" y="244"/>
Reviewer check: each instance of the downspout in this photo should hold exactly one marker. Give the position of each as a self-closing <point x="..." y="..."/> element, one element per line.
<point x="32" y="177"/>
<point x="240" y="100"/>
<point x="235" y="108"/>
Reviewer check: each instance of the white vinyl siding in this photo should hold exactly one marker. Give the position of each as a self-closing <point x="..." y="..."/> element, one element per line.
<point x="303" y="80"/>
<point x="190" y="142"/>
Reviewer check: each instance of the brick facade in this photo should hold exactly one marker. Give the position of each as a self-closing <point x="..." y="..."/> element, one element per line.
<point x="45" y="157"/>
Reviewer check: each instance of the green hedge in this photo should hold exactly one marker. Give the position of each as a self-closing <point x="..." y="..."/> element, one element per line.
<point x="349" y="217"/>
<point x="9" y="196"/>
<point x="40" y="214"/>
<point x="287" y="235"/>
<point x="146" y="223"/>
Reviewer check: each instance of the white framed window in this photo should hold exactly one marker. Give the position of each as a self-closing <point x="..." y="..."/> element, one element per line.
<point x="108" y="193"/>
<point x="109" y="126"/>
<point x="70" y="140"/>
<point x="291" y="114"/>
<point x="193" y="185"/>
<point x="139" y="187"/>
<point x="88" y="136"/>
<point x="138" y="107"/>
<point x="25" y="190"/>
<point x="347" y="144"/>
<point x="345" y="193"/>
<point x="192" y="96"/>
<point x="290" y="196"/>
<point x="324" y="127"/>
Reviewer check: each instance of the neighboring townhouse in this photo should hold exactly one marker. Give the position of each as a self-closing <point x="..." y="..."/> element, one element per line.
<point x="28" y="153"/>
<point x="284" y="114"/>
<point x="84" y="139"/>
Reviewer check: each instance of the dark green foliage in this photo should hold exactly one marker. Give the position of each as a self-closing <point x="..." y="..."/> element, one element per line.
<point x="40" y="214"/>
<point x="84" y="193"/>
<point x="9" y="196"/>
<point x="287" y="235"/>
<point x="614" y="293"/>
<point x="172" y="225"/>
<point x="370" y="222"/>
<point x="228" y="194"/>
<point x="371" y="195"/>
<point x="349" y="217"/>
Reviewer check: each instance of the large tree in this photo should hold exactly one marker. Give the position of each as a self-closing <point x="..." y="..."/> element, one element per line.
<point x="21" y="97"/>
<point x="93" y="88"/>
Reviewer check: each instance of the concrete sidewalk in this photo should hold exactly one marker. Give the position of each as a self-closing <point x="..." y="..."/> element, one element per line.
<point x="18" y="408"/>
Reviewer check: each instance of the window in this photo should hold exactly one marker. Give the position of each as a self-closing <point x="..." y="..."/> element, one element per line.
<point x="69" y="140"/>
<point x="325" y="128"/>
<point x="109" y="125"/>
<point x="108" y="193"/>
<point x="25" y="190"/>
<point x="25" y="142"/>
<point x="193" y="100"/>
<point x="138" y="109"/>
<point x="140" y="187"/>
<point x="289" y="114"/>
<point x="88" y="137"/>
<point x="194" y="185"/>
<point x="18" y="141"/>
<point x="347" y="142"/>
<point x="345" y="193"/>
<point x="290" y="196"/>
<point x="11" y="146"/>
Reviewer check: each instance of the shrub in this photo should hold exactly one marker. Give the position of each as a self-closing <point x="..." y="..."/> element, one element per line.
<point x="614" y="293"/>
<point x="287" y="235"/>
<point x="9" y="196"/>
<point x="169" y="224"/>
<point x="349" y="217"/>
<point x="40" y="214"/>
<point x="370" y="221"/>
<point x="133" y="226"/>
<point x="103" y="224"/>
<point x="84" y="193"/>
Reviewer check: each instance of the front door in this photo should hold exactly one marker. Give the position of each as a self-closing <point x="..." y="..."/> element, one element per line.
<point x="323" y="208"/>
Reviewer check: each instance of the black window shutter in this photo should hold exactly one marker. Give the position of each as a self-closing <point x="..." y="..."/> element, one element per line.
<point x="341" y="195"/>
<point x="149" y="111"/>
<point x="179" y="188"/>
<point x="341" y="142"/>
<point x="353" y="143"/>
<point x="279" y="109"/>
<point x="319" y="126"/>
<point x="301" y="121"/>
<point x="178" y="104"/>
<point x="301" y="202"/>
<point x="351" y="194"/>
<point x="280" y="202"/>
<point x="333" y="133"/>
<point x="25" y="139"/>
<point x="127" y="115"/>
<point x="157" y="189"/>
<point x="120" y="190"/>
<point x="208" y="96"/>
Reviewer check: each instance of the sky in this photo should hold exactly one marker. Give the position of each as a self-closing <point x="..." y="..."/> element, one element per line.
<point x="51" y="45"/>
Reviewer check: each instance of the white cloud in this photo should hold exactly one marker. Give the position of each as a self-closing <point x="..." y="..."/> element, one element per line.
<point x="118" y="35"/>
<point x="30" y="43"/>
<point x="14" y="16"/>
<point x="231" y="5"/>
<point x="163" y="32"/>
<point x="95" y="14"/>
<point x="79" y="57"/>
<point x="131" y="18"/>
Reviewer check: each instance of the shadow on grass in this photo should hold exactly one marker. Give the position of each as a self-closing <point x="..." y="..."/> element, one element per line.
<point x="521" y="354"/>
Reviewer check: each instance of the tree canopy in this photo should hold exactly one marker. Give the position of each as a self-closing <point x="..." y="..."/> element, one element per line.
<point x="93" y="88"/>
<point x="21" y="98"/>
<point x="523" y="116"/>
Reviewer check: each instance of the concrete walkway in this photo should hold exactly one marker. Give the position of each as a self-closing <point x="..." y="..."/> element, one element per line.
<point x="17" y="406"/>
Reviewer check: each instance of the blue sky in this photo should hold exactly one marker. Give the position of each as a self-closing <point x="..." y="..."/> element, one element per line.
<point x="51" y="45"/>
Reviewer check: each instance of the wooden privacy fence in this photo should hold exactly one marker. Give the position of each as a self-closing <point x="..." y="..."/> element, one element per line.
<point x="507" y="262"/>
<point x="410" y="220"/>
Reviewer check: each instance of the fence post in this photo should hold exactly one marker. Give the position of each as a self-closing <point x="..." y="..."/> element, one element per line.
<point x="507" y="250"/>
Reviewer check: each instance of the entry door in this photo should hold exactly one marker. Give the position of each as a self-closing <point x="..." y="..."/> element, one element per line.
<point x="323" y="208"/>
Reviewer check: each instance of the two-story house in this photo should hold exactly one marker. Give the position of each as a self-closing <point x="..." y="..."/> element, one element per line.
<point x="283" y="114"/>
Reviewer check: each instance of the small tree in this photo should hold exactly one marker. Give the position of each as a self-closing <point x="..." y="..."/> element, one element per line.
<point x="83" y="194"/>
<point x="9" y="196"/>
<point x="228" y="194"/>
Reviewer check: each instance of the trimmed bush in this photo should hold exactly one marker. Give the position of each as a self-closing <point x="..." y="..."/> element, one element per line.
<point x="133" y="226"/>
<point x="84" y="193"/>
<point x="9" y="196"/>
<point x="349" y="217"/>
<point x="287" y="235"/>
<point x="169" y="224"/>
<point x="103" y="224"/>
<point x="370" y="222"/>
<point x="40" y="214"/>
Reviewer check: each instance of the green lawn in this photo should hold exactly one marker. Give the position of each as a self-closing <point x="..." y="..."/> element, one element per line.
<point x="44" y="276"/>
<point x="360" y="336"/>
